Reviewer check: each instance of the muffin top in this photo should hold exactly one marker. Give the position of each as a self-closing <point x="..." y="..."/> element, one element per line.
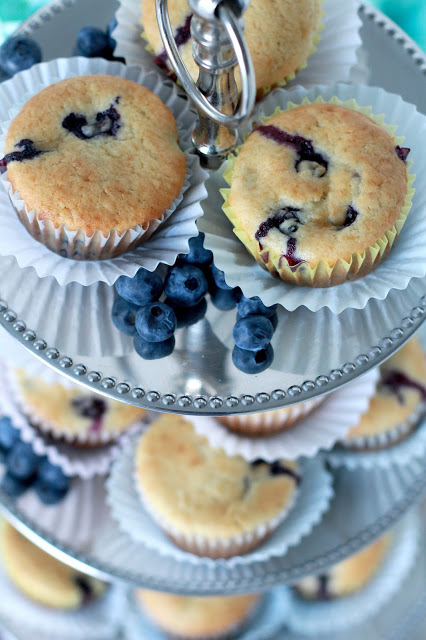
<point x="195" y="617"/>
<point x="348" y="576"/>
<point x="72" y="412"/>
<point x="41" y="577"/>
<point x="199" y="490"/>
<point x="318" y="182"/>
<point x="95" y="153"/>
<point x="280" y="35"/>
<point x="401" y="388"/>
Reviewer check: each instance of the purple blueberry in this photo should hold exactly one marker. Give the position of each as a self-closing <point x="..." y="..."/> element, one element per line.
<point x="93" y="43"/>
<point x="252" y="361"/>
<point x="253" y="333"/>
<point x="198" y="255"/>
<point x="9" y="435"/>
<point x="156" y="322"/>
<point x="124" y="315"/>
<point x="89" y="406"/>
<point x="185" y="285"/>
<point x="223" y="299"/>
<point x="187" y="316"/>
<point x="146" y="286"/>
<point x="22" y="462"/>
<point x="153" y="350"/>
<point x="52" y="475"/>
<point x="254" y="307"/>
<point x="48" y="494"/>
<point x="19" y="53"/>
<point x="14" y="487"/>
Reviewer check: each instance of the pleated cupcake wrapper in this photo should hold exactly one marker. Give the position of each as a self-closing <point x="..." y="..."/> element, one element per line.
<point x="269" y="422"/>
<point x="123" y="497"/>
<point x="334" y="57"/>
<point x="99" y="620"/>
<point x="320" y="430"/>
<point x="317" y="618"/>
<point x="98" y="257"/>
<point x="404" y="262"/>
<point x="322" y="275"/>
<point x="399" y="447"/>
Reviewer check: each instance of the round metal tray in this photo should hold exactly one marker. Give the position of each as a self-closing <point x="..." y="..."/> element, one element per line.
<point x="199" y="376"/>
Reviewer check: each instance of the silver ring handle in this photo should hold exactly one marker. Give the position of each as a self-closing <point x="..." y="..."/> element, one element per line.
<point x="248" y="82"/>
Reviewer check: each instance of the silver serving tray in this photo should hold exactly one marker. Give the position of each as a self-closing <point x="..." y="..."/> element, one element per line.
<point x="199" y="376"/>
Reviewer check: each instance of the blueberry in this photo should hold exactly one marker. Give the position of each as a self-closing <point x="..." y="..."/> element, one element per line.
<point x="254" y="307"/>
<point x="53" y="475"/>
<point x="22" y="462"/>
<point x="198" y="255"/>
<point x="19" y="53"/>
<point x="223" y="299"/>
<point x="146" y="286"/>
<point x="8" y="433"/>
<point x="219" y="278"/>
<point x="110" y="28"/>
<point x="13" y="486"/>
<point x="3" y="454"/>
<point x="185" y="285"/>
<point x="89" y="406"/>
<point x="153" y="350"/>
<point x="123" y="315"/>
<point x="156" y="322"/>
<point x="47" y="494"/>
<point x="187" y="316"/>
<point x="272" y="319"/>
<point x="253" y="333"/>
<point x="252" y="361"/>
<point x="93" y="43"/>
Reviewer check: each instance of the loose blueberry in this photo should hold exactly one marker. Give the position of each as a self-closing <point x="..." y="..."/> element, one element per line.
<point x="47" y="494"/>
<point x="153" y="350"/>
<point x="19" y="53"/>
<point x="93" y="43"/>
<point x="156" y="322"/>
<point x="219" y="278"/>
<point x="187" y="316"/>
<point x="252" y="361"/>
<point x="123" y="315"/>
<point x="272" y="319"/>
<point x="185" y="285"/>
<point x="253" y="333"/>
<point x="110" y="28"/>
<point x="89" y="406"/>
<point x="254" y="307"/>
<point x="8" y="433"/>
<point x="3" y="454"/>
<point x="13" y="486"/>
<point x="223" y="299"/>
<point x="22" y="462"/>
<point x="53" y="475"/>
<point x="198" y="255"/>
<point x="146" y="286"/>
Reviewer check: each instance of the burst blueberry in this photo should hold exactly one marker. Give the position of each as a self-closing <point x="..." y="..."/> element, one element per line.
<point x="124" y="315"/>
<point x="198" y="255"/>
<point x="156" y="322"/>
<point x="22" y="462"/>
<point x="146" y="286"/>
<point x="153" y="350"/>
<point x="9" y="434"/>
<point x="185" y="285"/>
<point x="252" y="362"/>
<point x="52" y="475"/>
<point x="93" y="43"/>
<point x="19" y="53"/>
<point x="254" y="307"/>
<point x="253" y="333"/>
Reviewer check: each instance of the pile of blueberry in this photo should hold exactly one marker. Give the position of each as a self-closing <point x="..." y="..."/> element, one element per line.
<point x="25" y="469"/>
<point x="138" y="311"/>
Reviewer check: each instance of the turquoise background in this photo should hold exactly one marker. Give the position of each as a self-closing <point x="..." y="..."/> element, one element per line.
<point x="409" y="14"/>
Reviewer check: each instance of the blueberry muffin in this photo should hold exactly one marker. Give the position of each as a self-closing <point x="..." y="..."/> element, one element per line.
<point x="196" y="618"/>
<point x="346" y="577"/>
<point x="74" y="414"/>
<point x="398" y="402"/>
<point x="42" y="578"/>
<point x="317" y="194"/>
<point x="209" y="503"/>
<point x="280" y="34"/>
<point x="97" y="155"/>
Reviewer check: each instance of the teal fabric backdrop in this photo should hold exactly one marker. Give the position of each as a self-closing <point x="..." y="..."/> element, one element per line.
<point x="410" y="14"/>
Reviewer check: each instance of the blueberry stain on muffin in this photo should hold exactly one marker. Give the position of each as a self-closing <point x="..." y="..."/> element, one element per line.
<point x="308" y="159"/>
<point x="402" y="152"/>
<point x="26" y="151"/>
<point x="85" y="587"/>
<point x="90" y="408"/>
<point x="286" y="220"/>
<point x="395" y="381"/>
<point x="182" y="35"/>
<point x="351" y="216"/>
<point x="278" y="468"/>
<point x="106" y="123"/>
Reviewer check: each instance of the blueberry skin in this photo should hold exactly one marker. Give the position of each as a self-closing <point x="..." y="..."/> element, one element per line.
<point x="272" y="319"/>
<point x="253" y="333"/>
<point x="146" y="286"/>
<point x="13" y="486"/>
<point x="9" y="435"/>
<point x="187" y="316"/>
<point x="223" y="299"/>
<point x="153" y="350"/>
<point x="22" y="462"/>
<point x="19" y="53"/>
<point x="219" y="278"/>
<point x="186" y="286"/>
<point x="47" y="494"/>
<point x="156" y="322"/>
<point x="93" y="43"/>
<point x="53" y="476"/>
<point x="252" y="361"/>
<point x="198" y="255"/>
<point x="123" y="314"/>
<point x="254" y="307"/>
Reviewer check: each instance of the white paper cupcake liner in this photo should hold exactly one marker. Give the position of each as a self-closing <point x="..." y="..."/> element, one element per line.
<point x="333" y="59"/>
<point x="171" y="238"/>
<point x="402" y="447"/>
<point x="313" y="618"/>
<point x="99" y="620"/>
<point x="405" y="261"/>
<point x="327" y="424"/>
<point x="269" y="617"/>
<point x="313" y="498"/>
